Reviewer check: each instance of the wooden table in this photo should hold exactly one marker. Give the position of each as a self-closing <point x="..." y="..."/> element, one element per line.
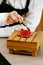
<point x="31" y="44"/>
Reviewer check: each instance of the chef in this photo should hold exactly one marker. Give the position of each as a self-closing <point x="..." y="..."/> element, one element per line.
<point x="18" y="14"/>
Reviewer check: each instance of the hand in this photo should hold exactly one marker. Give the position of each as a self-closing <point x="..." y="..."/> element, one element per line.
<point x="14" y="17"/>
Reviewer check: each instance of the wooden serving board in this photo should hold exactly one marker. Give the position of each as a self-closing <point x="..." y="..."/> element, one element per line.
<point x="31" y="43"/>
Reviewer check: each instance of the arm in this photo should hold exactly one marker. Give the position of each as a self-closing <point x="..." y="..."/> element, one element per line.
<point x="3" y="19"/>
<point x="10" y="18"/>
<point x="33" y="17"/>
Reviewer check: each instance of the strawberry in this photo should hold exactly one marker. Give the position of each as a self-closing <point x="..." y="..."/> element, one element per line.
<point x="25" y="33"/>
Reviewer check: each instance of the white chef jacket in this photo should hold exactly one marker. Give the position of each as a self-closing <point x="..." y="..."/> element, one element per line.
<point x="31" y="20"/>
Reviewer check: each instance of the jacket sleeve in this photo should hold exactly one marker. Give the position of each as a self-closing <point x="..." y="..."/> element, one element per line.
<point x="33" y="17"/>
<point x="3" y="19"/>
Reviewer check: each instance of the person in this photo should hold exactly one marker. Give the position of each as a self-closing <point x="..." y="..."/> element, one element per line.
<point x="11" y="15"/>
